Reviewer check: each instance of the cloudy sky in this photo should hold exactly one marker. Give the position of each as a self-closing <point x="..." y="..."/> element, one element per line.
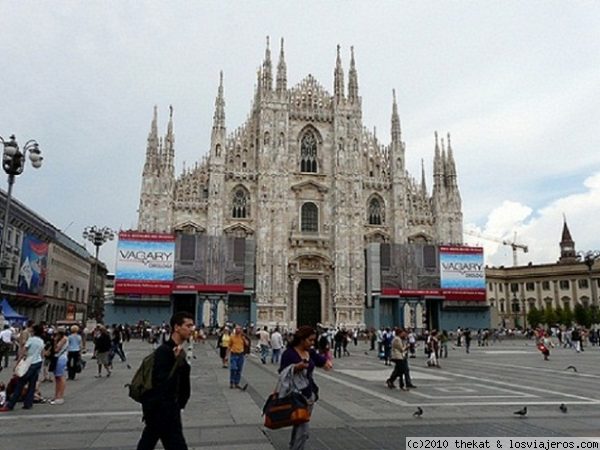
<point x="516" y="83"/>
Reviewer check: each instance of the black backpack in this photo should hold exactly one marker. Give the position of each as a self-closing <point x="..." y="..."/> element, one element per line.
<point x="142" y="379"/>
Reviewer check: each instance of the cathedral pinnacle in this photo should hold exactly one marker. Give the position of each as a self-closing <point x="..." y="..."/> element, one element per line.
<point x="281" y="72"/>
<point x="352" y="79"/>
<point x="423" y="184"/>
<point x="396" y="133"/>
<point x="437" y="162"/>
<point x="267" y="69"/>
<point x="451" y="164"/>
<point x="152" y="145"/>
<point x="338" y="78"/>
<point x="219" y="116"/>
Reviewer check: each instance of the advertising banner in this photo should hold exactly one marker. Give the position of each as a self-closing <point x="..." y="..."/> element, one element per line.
<point x="34" y="266"/>
<point x="145" y="263"/>
<point x="462" y="272"/>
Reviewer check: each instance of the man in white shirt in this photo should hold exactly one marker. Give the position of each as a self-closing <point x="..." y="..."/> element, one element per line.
<point x="6" y="343"/>
<point x="276" y="346"/>
<point x="264" y="342"/>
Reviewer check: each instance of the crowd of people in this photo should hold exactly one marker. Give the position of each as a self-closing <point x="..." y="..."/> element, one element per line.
<point x="45" y="353"/>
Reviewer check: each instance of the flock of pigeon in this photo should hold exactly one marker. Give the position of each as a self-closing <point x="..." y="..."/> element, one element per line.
<point x="521" y="413"/>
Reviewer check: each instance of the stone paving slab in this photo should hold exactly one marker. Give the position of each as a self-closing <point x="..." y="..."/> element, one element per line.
<point x="472" y="395"/>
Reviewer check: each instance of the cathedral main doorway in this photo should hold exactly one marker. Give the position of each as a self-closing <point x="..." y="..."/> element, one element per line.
<point x="309" y="302"/>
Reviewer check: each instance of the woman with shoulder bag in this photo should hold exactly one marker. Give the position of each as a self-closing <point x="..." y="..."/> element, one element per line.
<point x="302" y="355"/>
<point x="61" y="345"/>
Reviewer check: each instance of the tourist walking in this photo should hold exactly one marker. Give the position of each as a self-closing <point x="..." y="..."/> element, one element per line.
<point x="237" y="345"/>
<point x="74" y="352"/>
<point x="412" y="343"/>
<point x="399" y="358"/>
<point x="170" y="391"/>
<point x="117" y="346"/>
<point x="303" y="357"/>
<point x="61" y="345"/>
<point x="32" y="354"/>
<point x="467" y="338"/>
<point x="444" y="344"/>
<point x="337" y="343"/>
<point x="276" y="346"/>
<point x="102" y="347"/>
<point x="434" y="349"/>
<point x="264" y="341"/>
<point x="387" y="337"/>
<point x="223" y="344"/>
<point x="6" y="344"/>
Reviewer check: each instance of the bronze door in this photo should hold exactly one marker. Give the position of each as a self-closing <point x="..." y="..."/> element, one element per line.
<point x="309" y="303"/>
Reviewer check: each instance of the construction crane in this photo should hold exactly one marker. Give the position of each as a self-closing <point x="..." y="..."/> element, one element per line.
<point x="513" y="244"/>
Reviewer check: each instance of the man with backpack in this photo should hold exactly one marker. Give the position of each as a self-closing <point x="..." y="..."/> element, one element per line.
<point x="170" y="391"/>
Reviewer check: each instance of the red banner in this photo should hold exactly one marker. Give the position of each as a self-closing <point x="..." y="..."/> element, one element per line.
<point x="143" y="287"/>
<point x="167" y="287"/>
<point x="143" y="236"/>
<point x="446" y="294"/>
<point x="187" y="287"/>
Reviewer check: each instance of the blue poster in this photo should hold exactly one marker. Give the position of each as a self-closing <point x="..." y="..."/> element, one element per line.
<point x="34" y="266"/>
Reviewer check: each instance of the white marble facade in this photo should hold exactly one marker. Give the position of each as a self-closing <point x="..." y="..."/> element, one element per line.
<point x="309" y="183"/>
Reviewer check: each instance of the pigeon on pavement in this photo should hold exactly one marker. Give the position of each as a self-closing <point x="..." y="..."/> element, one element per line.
<point x="521" y="412"/>
<point x="418" y="412"/>
<point x="563" y="407"/>
<point x="573" y="368"/>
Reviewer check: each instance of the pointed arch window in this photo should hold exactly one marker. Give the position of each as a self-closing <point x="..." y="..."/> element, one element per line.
<point x="240" y="203"/>
<point x="309" y="218"/>
<point x="375" y="212"/>
<point x="308" y="152"/>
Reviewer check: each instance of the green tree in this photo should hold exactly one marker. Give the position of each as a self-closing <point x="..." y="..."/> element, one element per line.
<point x="583" y="316"/>
<point x="567" y="316"/>
<point x="595" y="312"/>
<point x="558" y="312"/>
<point x="535" y="317"/>
<point x="549" y="316"/>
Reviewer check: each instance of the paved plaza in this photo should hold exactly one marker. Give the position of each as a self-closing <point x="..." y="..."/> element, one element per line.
<point x="472" y="395"/>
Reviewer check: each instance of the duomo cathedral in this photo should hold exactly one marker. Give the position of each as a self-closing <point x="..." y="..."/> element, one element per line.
<point x="309" y="184"/>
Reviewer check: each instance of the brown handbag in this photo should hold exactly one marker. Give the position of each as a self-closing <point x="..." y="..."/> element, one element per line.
<point x="287" y="411"/>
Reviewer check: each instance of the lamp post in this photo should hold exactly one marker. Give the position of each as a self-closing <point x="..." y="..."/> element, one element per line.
<point x="97" y="236"/>
<point x="589" y="257"/>
<point x="13" y="163"/>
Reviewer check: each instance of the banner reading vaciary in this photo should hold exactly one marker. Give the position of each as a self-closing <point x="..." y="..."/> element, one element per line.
<point x="145" y="263"/>
<point x="462" y="268"/>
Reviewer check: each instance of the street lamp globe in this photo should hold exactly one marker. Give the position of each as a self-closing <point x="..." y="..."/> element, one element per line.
<point x="97" y="236"/>
<point x="13" y="163"/>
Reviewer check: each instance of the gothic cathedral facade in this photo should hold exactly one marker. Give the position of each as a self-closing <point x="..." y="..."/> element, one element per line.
<point x="310" y="185"/>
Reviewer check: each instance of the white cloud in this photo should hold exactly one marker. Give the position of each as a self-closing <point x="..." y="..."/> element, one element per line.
<point x="541" y="230"/>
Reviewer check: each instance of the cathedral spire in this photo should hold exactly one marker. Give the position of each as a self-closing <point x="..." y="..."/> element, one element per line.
<point x="451" y="164"/>
<point x="352" y="79"/>
<point x="338" y="78"/>
<point x="423" y="184"/>
<point x="396" y="133"/>
<point x="281" y="72"/>
<point x="267" y="69"/>
<point x="169" y="145"/>
<point x="219" y="116"/>
<point x="152" y="145"/>
<point x="437" y="162"/>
